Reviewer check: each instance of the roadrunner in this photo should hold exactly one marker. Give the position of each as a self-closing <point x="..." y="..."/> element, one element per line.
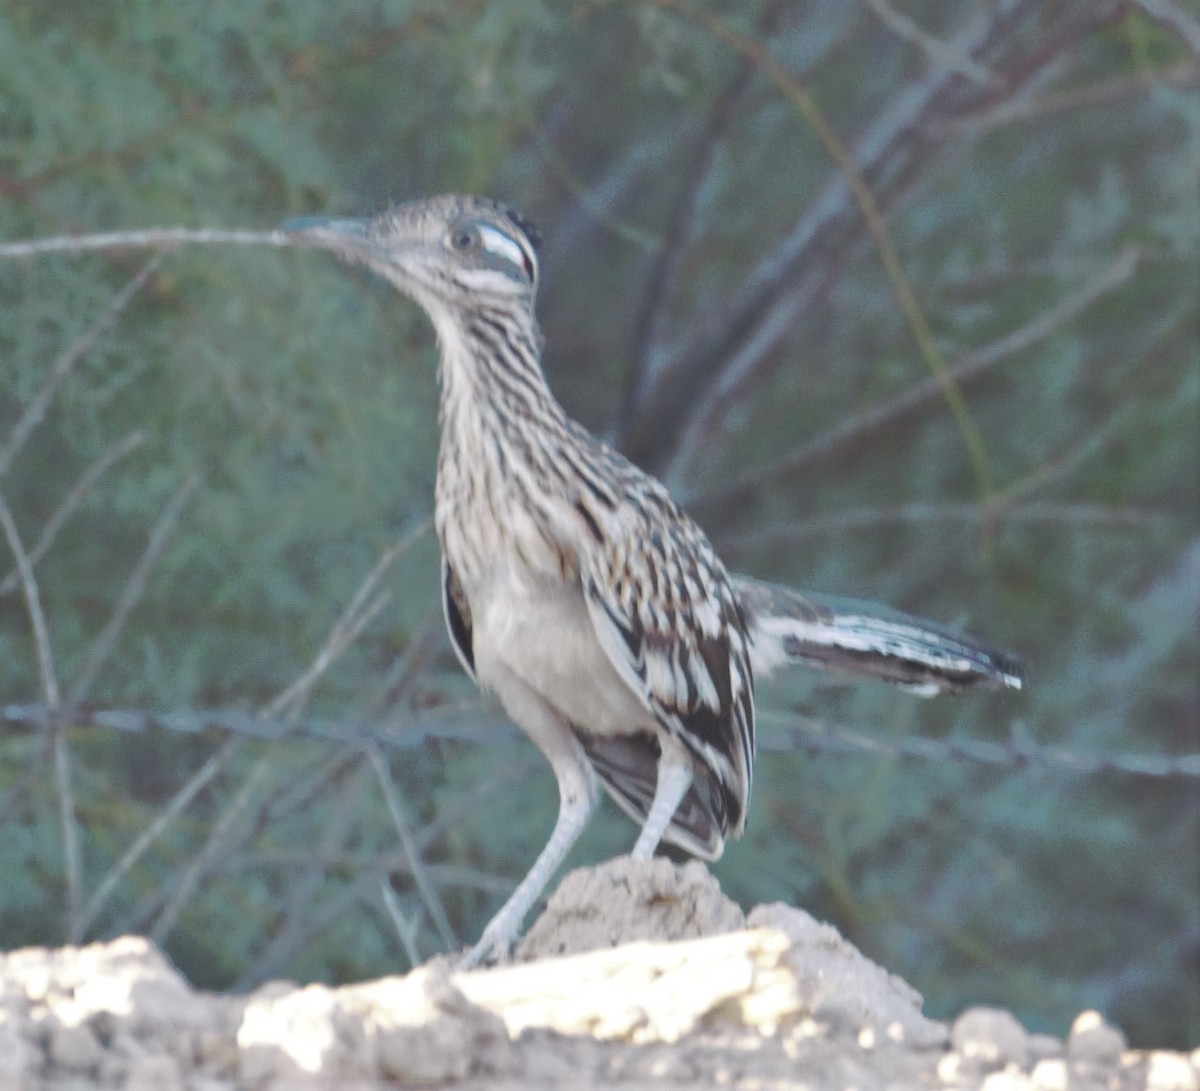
<point x="577" y="591"/>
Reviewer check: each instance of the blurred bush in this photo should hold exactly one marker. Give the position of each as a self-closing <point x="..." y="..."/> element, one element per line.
<point x="694" y="223"/>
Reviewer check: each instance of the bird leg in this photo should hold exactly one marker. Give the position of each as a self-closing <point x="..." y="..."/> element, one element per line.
<point x="578" y="791"/>
<point x="674" y="779"/>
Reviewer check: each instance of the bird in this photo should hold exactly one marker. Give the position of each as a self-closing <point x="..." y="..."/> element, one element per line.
<point x="577" y="591"/>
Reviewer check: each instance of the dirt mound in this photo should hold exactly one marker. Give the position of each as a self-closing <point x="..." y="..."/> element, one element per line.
<point x="638" y="974"/>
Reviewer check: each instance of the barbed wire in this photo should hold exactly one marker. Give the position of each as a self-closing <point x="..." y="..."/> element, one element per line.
<point x="482" y="726"/>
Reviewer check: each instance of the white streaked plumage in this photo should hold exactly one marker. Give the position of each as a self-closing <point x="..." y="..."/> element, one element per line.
<point x="577" y="591"/>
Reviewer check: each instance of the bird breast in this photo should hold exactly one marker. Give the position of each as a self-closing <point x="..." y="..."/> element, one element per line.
<point x="544" y="637"/>
<point x="519" y="571"/>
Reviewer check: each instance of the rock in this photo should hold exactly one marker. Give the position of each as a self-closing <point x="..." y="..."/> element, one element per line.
<point x="1050" y="1074"/>
<point x="1170" y="1072"/>
<point x="16" y="1055"/>
<point x="625" y="900"/>
<point x="1093" y="1041"/>
<point x="154" y="1073"/>
<point x="990" y="1038"/>
<point x="842" y="989"/>
<point x="756" y="1002"/>
<point x="73" y="1047"/>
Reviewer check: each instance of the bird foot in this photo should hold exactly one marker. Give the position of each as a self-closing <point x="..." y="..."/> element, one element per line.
<point x="493" y="946"/>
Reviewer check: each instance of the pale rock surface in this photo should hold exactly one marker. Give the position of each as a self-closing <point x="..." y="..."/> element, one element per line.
<point x="666" y="985"/>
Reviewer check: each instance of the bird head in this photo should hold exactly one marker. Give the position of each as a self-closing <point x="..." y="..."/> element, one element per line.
<point x="446" y="252"/>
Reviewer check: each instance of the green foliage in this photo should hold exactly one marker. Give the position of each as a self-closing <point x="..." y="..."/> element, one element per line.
<point x="303" y="397"/>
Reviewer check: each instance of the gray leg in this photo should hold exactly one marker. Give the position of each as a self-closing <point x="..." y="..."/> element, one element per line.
<point x="674" y="779"/>
<point x="578" y="791"/>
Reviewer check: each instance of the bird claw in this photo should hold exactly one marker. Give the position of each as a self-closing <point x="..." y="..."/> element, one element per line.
<point x="493" y="948"/>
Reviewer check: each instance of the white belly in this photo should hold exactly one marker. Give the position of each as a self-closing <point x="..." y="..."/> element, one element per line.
<point x="543" y="636"/>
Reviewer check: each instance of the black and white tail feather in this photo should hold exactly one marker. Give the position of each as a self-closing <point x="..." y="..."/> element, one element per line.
<point x="864" y="640"/>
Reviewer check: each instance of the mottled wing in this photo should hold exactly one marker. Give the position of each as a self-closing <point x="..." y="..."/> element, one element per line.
<point x="667" y="618"/>
<point x="458" y="618"/>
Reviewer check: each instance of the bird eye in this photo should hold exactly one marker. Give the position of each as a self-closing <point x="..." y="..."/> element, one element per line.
<point x="464" y="238"/>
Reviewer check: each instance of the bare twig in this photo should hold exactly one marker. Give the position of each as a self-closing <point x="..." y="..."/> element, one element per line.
<point x="1072" y="98"/>
<point x="134" y="587"/>
<point x="886" y="157"/>
<point x="352" y="621"/>
<point x="288" y="704"/>
<point x="596" y="200"/>
<point x="50" y="692"/>
<point x="429" y="894"/>
<point x="722" y="396"/>
<point x="178" y="803"/>
<point x="1174" y="18"/>
<point x="290" y="930"/>
<point x="66" y="363"/>
<point x="982" y="515"/>
<point x="966" y="369"/>
<point x="422" y="645"/>
<point x="33" y="604"/>
<point x="221" y="833"/>
<point x="153" y="238"/>
<point x="79" y="492"/>
<point x="935" y="49"/>
<point x="1066" y="463"/>
<point x="647" y="345"/>
<point x="406" y="929"/>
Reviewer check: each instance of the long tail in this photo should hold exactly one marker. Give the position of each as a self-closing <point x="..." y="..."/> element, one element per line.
<point x="861" y="639"/>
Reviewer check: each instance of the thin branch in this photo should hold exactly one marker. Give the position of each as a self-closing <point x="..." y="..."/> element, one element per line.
<point x="289" y="930"/>
<point x="934" y="48"/>
<point x="423" y="644"/>
<point x="1099" y="93"/>
<point x="288" y="705"/>
<point x="966" y="369"/>
<point x="178" y="803"/>
<point x="133" y="590"/>
<point x="1066" y="463"/>
<point x="721" y="398"/>
<point x="79" y="492"/>
<point x="647" y="345"/>
<point x="153" y="238"/>
<point x="406" y="929"/>
<point x="595" y="200"/>
<point x="1174" y="18"/>
<point x="50" y="691"/>
<point x="428" y="892"/>
<point x="66" y="363"/>
<point x="33" y="605"/>
<point x="982" y="515"/>
<point x="887" y="156"/>
<point x="222" y="831"/>
<point x="354" y="618"/>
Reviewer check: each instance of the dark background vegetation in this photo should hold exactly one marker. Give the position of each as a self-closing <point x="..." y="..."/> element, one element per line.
<point x="209" y="485"/>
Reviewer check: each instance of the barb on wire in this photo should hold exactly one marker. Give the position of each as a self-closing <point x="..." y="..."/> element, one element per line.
<point x="474" y="724"/>
<point x="1019" y="751"/>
